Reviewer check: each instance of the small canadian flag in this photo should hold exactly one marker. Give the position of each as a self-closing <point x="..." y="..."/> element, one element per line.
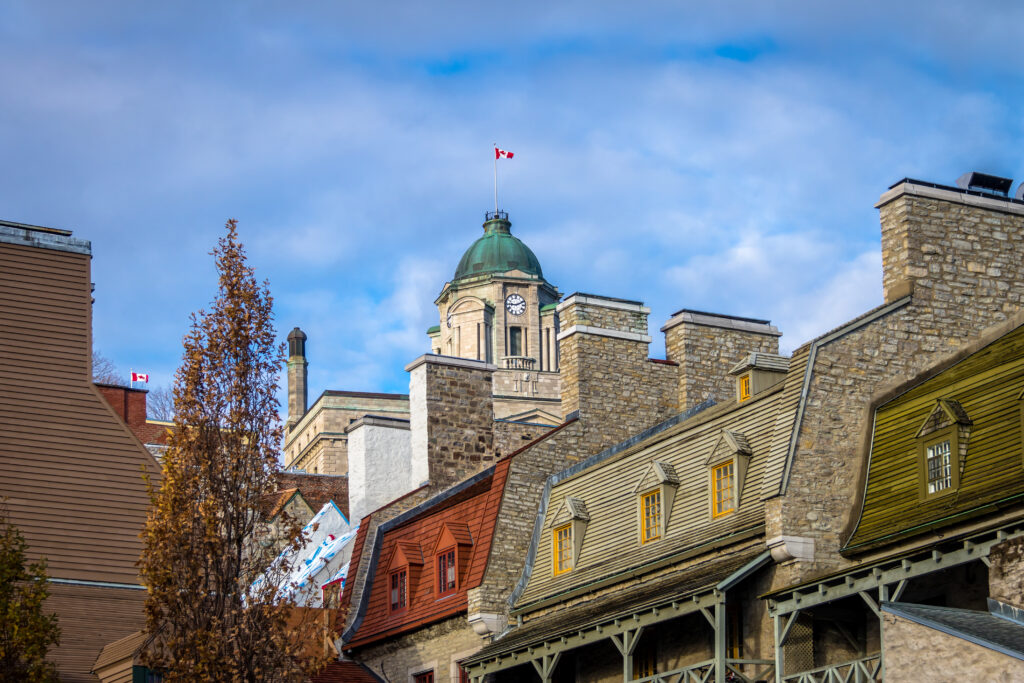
<point x="140" y="377"/>
<point x="502" y="154"/>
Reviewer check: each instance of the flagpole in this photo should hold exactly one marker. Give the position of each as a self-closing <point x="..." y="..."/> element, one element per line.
<point x="495" y="179"/>
<point x="131" y="373"/>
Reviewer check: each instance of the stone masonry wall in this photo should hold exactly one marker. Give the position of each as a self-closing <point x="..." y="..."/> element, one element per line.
<point x="451" y="417"/>
<point x="511" y="436"/>
<point x="513" y="528"/>
<point x="609" y="380"/>
<point x="706" y="353"/>
<point x="915" y="653"/>
<point x="434" y="648"/>
<point x="952" y="306"/>
<point x="1006" y="575"/>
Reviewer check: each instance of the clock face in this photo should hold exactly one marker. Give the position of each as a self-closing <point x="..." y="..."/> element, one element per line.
<point x="515" y="304"/>
<point x="449" y="320"/>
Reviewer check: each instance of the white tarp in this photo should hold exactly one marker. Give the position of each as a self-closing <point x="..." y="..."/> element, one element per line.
<point x="323" y="557"/>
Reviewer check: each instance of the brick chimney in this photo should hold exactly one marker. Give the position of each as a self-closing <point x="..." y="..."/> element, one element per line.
<point x="707" y="346"/>
<point x="129" y="403"/>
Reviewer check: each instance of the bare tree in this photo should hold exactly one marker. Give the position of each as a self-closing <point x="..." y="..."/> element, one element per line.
<point x="104" y="370"/>
<point x="221" y="614"/>
<point x="160" y="404"/>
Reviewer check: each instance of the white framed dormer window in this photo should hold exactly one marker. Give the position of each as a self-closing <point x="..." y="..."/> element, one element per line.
<point x="727" y="470"/>
<point x="941" y="448"/>
<point x="567" y="528"/>
<point x="655" y="492"/>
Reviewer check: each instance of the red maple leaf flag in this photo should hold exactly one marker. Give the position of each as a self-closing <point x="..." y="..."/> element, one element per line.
<point x="140" y="377"/>
<point x="502" y="154"/>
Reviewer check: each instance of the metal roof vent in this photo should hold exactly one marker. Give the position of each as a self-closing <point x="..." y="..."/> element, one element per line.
<point x="983" y="182"/>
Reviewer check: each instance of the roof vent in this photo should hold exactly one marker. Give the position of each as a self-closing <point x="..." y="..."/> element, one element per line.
<point x="983" y="182"/>
<point x="1019" y="194"/>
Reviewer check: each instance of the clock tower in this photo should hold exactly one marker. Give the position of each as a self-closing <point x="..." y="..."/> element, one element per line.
<point x="498" y="308"/>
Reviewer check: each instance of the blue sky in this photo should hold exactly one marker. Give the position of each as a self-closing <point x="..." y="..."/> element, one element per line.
<point x="716" y="156"/>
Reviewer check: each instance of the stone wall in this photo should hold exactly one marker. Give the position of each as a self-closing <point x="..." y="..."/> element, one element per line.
<point x="707" y="346"/>
<point x="606" y="375"/>
<point x="451" y="417"/>
<point x="511" y="436"/>
<point x="319" y="445"/>
<point x="1006" y="575"/>
<point x="952" y="306"/>
<point x="513" y="529"/>
<point x="915" y="653"/>
<point x="434" y="648"/>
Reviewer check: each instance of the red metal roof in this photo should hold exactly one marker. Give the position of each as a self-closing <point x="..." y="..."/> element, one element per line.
<point x="468" y="520"/>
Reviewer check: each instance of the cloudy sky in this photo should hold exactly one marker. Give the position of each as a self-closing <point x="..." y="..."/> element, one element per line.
<point x="716" y="156"/>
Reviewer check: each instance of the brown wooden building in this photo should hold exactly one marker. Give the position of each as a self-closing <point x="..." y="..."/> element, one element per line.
<point x="70" y="469"/>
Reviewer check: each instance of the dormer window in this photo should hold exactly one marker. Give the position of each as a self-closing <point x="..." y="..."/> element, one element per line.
<point x="405" y="564"/>
<point x="568" y="525"/>
<point x="744" y="387"/>
<point x="655" y="492"/>
<point x="399" y="581"/>
<point x="650" y="504"/>
<point x="727" y="464"/>
<point x="446" y="572"/>
<point x="562" y="549"/>
<point x="942" y="448"/>
<point x="451" y="557"/>
<point x="724" y="486"/>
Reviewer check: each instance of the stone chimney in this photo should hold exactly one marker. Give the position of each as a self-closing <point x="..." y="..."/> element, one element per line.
<point x="297" y="370"/>
<point x="951" y="245"/>
<point x="451" y="418"/>
<point x="606" y="374"/>
<point x="707" y="346"/>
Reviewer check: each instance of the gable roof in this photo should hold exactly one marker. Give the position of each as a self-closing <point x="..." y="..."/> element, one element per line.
<point x="987" y="629"/>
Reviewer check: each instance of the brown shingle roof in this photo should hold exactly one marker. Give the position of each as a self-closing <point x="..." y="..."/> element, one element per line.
<point x="346" y="672"/>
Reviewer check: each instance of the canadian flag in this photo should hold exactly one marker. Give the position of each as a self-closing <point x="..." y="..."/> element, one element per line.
<point x="140" y="377"/>
<point x="502" y="154"/>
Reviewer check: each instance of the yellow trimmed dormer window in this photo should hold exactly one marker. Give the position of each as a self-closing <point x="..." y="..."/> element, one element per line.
<point x="562" y="549"/>
<point x="744" y="387"/>
<point x="723" y="478"/>
<point x="650" y="516"/>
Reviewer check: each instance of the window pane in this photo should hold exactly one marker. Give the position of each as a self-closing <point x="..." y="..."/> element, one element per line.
<point x="651" y="516"/>
<point x="940" y="470"/>
<point x="515" y="341"/>
<point x="723" y="489"/>
<point x="563" y="549"/>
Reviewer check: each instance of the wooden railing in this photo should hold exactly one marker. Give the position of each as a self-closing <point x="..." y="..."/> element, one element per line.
<point x="864" y="670"/>
<point x="737" y="671"/>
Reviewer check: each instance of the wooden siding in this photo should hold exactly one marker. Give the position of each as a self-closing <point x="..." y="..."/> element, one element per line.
<point x="90" y="618"/>
<point x="476" y="510"/>
<point x="986" y="384"/>
<point x="611" y="543"/>
<point x="69" y="467"/>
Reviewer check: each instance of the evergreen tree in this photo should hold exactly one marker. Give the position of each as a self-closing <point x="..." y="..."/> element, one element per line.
<point x="200" y="560"/>
<point x="26" y="631"/>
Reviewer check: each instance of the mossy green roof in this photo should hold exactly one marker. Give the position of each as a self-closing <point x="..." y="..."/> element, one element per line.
<point x="434" y="329"/>
<point x="498" y="251"/>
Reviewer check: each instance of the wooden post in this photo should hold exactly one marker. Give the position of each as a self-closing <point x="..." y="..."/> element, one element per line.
<point x="721" y="632"/>
<point x="626" y="644"/>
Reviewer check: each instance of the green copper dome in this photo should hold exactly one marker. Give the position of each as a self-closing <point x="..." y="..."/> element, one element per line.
<point x="497" y="252"/>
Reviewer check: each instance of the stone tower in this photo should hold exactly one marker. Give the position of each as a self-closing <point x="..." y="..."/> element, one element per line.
<point x="297" y="369"/>
<point x="499" y="309"/>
